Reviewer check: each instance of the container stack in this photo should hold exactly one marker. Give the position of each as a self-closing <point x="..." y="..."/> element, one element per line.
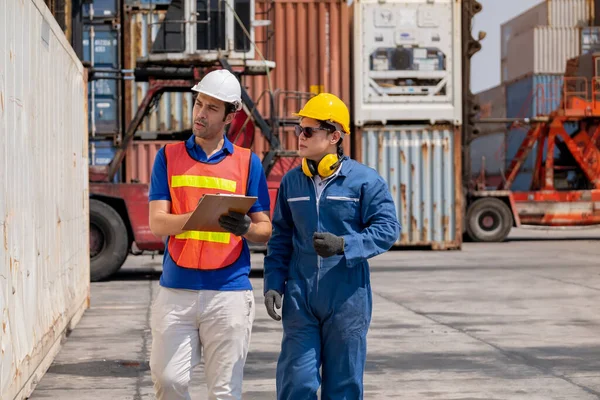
<point x="487" y="150"/>
<point x="307" y="61"/>
<point x="535" y="47"/>
<point x="408" y="111"/>
<point x="101" y="49"/>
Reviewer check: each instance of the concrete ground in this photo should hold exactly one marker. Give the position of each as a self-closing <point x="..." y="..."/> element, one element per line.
<point x="514" y="320"/>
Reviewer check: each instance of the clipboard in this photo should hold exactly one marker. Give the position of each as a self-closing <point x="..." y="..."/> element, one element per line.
<point x="212" y="206"/>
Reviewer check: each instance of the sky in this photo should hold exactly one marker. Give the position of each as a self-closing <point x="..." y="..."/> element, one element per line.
<point x="485" y="65"/>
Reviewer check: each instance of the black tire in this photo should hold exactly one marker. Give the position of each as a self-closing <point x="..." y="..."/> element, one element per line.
<point x="489" y="220"/>
<point x="109" y="243"/>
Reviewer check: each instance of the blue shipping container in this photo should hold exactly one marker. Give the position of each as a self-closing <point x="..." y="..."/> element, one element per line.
<point x="102" y="154"/>
<point x="106" y="46"/>
<point x="515" y="138"/>
<point x="102" y="9"/>
<point x="522" y="182"/>
<point x="103" y="87"/>
<point x="491" y="147"/>
<point x="105" y="113"/>
<point x="533" y="96"/>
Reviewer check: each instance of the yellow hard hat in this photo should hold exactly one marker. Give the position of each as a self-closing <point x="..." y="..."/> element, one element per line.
<point x="327" y="107"/>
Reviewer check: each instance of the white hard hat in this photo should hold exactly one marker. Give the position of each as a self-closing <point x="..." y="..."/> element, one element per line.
<point x="223" y="85"/>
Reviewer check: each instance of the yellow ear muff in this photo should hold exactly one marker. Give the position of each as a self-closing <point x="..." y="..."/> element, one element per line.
<point x="327" y="165"/>
<point x="308" y="167"/>
<point x="325" y="168"/>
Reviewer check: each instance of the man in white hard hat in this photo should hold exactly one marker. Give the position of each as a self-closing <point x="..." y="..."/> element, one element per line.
<point x="205" y="302"/>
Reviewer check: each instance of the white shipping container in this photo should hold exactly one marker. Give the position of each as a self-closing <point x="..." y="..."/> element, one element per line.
<point x="44" y="256"/>
<point x="408" y="61"/>
<point x="541" y="50"/>
<point x="554" y="13"/>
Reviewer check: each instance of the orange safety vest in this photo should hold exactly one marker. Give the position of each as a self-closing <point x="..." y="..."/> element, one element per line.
<point x="189" y="180"/>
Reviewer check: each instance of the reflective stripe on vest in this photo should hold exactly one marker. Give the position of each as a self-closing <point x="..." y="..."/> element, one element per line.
<point x="189" y="180"/>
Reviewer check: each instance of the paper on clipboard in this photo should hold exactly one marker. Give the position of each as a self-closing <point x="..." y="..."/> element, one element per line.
<point x="212" y="206"/>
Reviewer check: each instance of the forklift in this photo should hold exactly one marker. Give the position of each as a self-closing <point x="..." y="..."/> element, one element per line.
<point x="190" y="43"/>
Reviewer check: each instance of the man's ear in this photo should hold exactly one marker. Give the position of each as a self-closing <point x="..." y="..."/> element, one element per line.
<point x="229" y="118"/>
<point x="335" y="137"/>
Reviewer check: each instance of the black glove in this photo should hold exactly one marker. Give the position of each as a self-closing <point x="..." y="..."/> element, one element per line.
<point x="236" y="223"/>
<point x="328" y="245"/>
<point x="272" y="300"/>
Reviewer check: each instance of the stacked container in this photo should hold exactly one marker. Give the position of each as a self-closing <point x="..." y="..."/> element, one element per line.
<point x="408" y="111"/>
<point x="101" y="49"/>
<point x="487" y="150"/>
<point x="307" y="61"/>
<point x="535" y="48"/>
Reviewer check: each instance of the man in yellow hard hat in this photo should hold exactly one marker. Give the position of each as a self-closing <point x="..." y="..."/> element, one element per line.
<point x="332" y="214"/>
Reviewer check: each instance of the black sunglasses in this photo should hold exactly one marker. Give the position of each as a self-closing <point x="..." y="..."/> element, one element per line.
<point x="308" y="131"/>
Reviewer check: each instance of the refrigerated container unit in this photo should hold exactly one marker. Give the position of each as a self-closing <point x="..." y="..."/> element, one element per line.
<point x="407" y="64"/>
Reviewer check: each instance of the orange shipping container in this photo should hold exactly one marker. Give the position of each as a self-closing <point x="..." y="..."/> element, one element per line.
<point x="311" y="49"/>
<point x="312" y="55"/>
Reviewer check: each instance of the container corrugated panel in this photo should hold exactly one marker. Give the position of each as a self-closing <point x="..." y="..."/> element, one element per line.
<point x="542" y="50"/>
<point x="533" y="95"/>
<point x="514" y="139"/>
<point x="140" y="159"/>
<point x="535" y="16"/>
<point x="312" y="54"/>
<point x="141" y="154"/>
<point x="555" y="13"/>
<point x="106" y="46"/>
<point x="102" y="9"/>
<point x="570" y="13"/>
<point x="493" y="105"/>
<point x="174" y="110"/>
<point x="301" y="66"/>
<point x="421" y="165"/>
<point x="44" y="208"/>
<point x="488" y="151"/>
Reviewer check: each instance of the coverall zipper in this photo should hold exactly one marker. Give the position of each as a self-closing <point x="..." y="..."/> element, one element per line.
<point x="317" y="198"/>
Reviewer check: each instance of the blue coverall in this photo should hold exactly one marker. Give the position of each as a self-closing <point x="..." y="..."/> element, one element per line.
<point x="327" y="302"/>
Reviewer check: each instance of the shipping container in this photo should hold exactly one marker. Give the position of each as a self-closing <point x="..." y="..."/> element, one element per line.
<point x="312" y="55"/>
<point x="174" y="110"/>
<point x="139" y="159"/>
<point x="106" y="46"/>
<point x="301" y="68"/>
<point x="533" y="95"/>
<point x="590" y="40"/>
<point x="421" y="165"/>
<point x="554" y="13"/>
<point x="488" y="151"/>
<point x="102" y="153"/>
<point x="45" y="261"/>
<point x="407" y="64"/>
<point x="492" y="103"/>
<point x="101" y="9"/>
<point x="515" y="138"/>
<point x="542" y="50"/>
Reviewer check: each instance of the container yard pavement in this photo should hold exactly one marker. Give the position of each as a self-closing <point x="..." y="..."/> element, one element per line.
<point x="514" y="320"/>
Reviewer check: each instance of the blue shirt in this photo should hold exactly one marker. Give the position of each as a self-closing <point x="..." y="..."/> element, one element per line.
<point x="235" y="276"/>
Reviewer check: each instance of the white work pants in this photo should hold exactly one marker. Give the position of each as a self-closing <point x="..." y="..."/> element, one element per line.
<point x="186" y="321"/>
